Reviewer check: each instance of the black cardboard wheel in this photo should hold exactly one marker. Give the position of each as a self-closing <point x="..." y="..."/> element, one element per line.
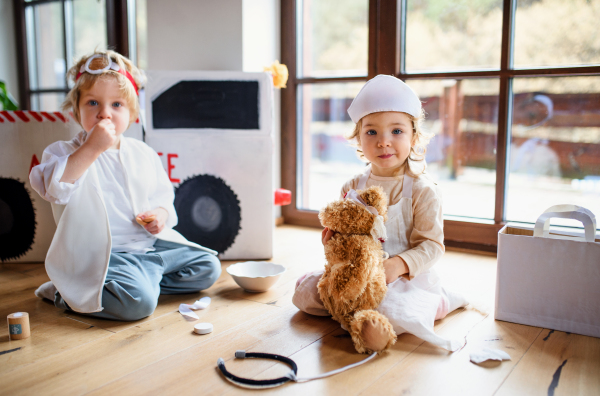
<point x="17" y="219"/>
<point x="209" y="212"/>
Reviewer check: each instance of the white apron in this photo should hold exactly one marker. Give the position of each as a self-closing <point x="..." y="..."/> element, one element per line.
<point x="411" y="306"/>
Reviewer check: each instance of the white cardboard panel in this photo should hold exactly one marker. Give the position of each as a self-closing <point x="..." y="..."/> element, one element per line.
<point x="249" y="177"/>
<point x="242" y="158"/>
<point x="24" y="135"/>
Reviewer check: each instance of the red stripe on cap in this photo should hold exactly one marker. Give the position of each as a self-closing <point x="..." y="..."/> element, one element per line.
<point x="48" y="116"/>
<point x="1" y="119"/>
<point x="130" y="78"/>
<point x="7" y="115"/>
<point x="36" y="115"/>
<point x="59" y="115"/>
<point x="21" y="115"/>
<point x="121" y="71"/>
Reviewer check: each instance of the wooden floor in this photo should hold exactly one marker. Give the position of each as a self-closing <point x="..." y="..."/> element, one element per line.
<point x="74" y="354"/>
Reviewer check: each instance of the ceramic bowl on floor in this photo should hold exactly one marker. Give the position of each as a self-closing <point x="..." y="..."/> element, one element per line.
<point x="255" y="276"/>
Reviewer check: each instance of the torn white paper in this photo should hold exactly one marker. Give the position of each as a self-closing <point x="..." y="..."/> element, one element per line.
<point x="488" y="354"/>
<point x="186" y="309"/>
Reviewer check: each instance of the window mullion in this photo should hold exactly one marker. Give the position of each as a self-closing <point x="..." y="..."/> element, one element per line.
<point x="372" y="54"/>
<point x="387" y="32"/>
<point x="117" y="35"/>
<point x="401" y="34"/>
<point x="288" y="107"/>
<point x="65" y="39"/>
<point x="504" y="113"/>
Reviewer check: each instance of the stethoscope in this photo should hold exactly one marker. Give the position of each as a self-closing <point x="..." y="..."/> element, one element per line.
<point x="271" y="383"/>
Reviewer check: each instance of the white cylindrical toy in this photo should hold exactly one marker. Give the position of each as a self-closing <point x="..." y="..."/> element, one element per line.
<point x="203" y="328"/>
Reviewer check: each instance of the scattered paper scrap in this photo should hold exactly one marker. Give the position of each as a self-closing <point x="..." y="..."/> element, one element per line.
<point x="488" y="354"/>
<point x="186" y="309"/>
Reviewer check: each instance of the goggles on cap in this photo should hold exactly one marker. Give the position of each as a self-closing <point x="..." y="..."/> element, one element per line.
<point x="112" y="65"/>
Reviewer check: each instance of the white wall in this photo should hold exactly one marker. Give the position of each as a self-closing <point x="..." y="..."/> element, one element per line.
<point x="195" y="35"/>
<point x="262" y="46"/>
<point x="237" y="35"/>
<point x="8" y="50"/>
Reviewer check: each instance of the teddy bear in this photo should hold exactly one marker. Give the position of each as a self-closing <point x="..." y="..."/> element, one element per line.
<point x="353" y="283"/>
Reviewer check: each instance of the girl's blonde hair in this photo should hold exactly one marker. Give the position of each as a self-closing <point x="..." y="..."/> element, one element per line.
<point x="419" y="142"/>
<point x="87" y="80"/>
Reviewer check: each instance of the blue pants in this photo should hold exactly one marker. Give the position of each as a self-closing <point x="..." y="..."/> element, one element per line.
<point x="134" y="281"/>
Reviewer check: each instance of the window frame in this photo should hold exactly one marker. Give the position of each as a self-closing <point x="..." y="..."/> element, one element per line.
<point x="117" y="31"/>
<point x="386" y="56"/>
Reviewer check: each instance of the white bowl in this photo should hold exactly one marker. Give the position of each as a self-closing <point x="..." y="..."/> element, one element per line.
<point x="255" y="276"/>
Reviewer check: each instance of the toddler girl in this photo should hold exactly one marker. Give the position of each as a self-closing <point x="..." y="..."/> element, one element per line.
<point x="388" y="113"/>
<point x="114" y="250"/>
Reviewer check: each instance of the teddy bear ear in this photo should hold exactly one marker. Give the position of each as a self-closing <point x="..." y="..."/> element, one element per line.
<point x="375" y="196"/>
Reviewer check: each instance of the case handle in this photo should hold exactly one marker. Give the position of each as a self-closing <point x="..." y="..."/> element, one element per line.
<point x="585" y="216"/>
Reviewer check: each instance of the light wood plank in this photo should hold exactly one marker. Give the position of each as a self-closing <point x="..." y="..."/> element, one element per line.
<point x="193" y="371"/>
<point x="567" y="364"/>
<point x="29" y="269"/>
<point x="11" y="276"/>
<point x="336" y="350"/>
<point x="161" y="355"/>
<point x="50" y="335"/>
<point x="52" y="331"/>
<point x="124" y="352"/>
<point x="433" y="371"/>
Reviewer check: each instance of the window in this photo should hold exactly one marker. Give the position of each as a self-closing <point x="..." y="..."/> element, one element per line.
<point x="52" y="34"/>
<point x="511" y="90"/>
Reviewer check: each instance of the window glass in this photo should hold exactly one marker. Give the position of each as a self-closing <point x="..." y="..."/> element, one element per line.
<point x="141" y="22"/>
<point x="45" y="42"/>
<point x="555" y="146"/>
<point x="333" y="38"/>
<point x="462" y="115"/>
<point x="89" y="27"/>
<point x="556" y="33"/>
<point x="453" y="34"/>
<point x="47" y="101"/>
<point x="325" y="158"/>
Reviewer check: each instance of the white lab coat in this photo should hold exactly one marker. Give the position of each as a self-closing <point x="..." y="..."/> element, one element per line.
<point x="77" y="260"/>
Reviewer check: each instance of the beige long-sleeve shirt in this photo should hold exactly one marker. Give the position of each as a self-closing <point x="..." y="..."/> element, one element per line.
<point x="427" y="236"/>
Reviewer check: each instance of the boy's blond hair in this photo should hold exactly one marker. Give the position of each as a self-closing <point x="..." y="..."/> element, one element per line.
<point x="420" y="139"/>
<point x="87" y="80"/>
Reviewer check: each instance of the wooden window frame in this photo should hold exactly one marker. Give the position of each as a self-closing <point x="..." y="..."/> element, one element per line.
<point x="117" y="38"/>
<point x="385" y="57"/>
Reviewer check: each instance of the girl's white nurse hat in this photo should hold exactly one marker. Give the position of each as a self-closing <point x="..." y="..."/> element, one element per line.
<point x="384" y="93"/>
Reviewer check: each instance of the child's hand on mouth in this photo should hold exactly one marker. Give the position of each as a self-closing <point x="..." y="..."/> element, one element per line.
<point x="102" y="136"/>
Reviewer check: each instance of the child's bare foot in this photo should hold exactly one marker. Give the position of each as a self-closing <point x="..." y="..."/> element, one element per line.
<point x="374" y="335"/>
<point x="47" y="290"/>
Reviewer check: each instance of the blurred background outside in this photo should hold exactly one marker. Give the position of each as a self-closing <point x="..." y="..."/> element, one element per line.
<point x="554" y="154"/>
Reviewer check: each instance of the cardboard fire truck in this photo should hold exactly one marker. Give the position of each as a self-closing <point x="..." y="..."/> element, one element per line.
<point x="213" y="131"/>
